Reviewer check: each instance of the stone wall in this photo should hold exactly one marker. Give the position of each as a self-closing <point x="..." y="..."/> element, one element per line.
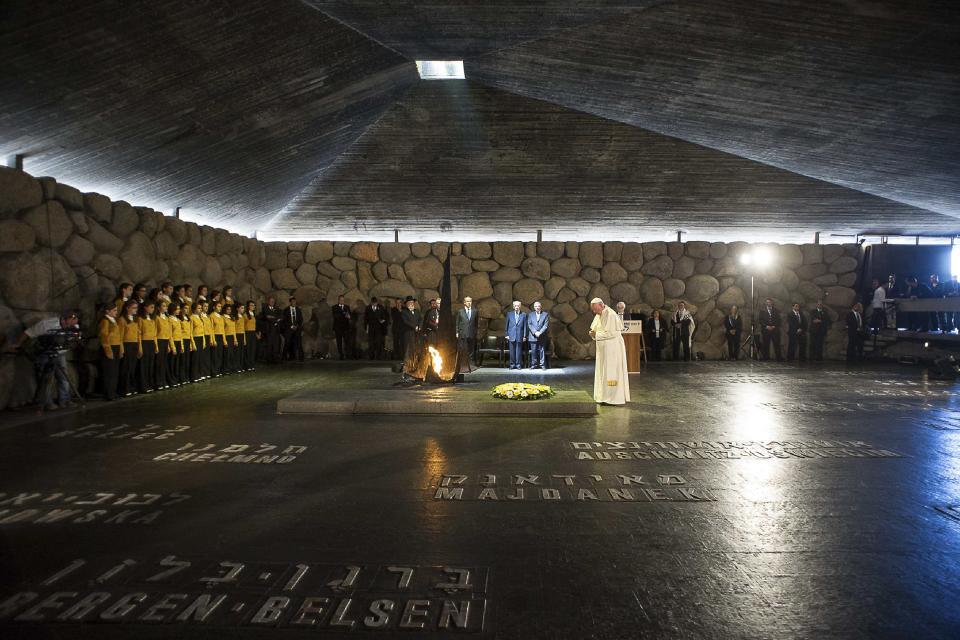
<point x="61" y="248"/>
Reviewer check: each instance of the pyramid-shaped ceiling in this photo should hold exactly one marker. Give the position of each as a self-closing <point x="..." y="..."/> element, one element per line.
<point x="457" y="160"/>
<point x="227" y="109"/>
<point x="861" y="94"/>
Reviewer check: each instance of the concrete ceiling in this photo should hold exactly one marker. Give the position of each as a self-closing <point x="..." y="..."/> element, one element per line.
<point x="231" y="108"/>
<point x="458" y="160"/>
<point x="227" y="108"/>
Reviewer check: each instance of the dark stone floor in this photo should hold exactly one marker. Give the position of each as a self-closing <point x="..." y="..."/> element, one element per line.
<point x="729" y="500"/>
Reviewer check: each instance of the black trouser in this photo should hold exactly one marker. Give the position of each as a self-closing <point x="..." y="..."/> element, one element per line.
<point x="185" y="361"/>
<point x="110" y="371"/>
<point x="293" y="347"/>
<point x="878" y="320"/>
<point x="229" y="353"/>
<point x="733" y="345"/>
<point x="467" y="346"/>
<point x="397" y="347"/>
<point x="375" y="345"/>
<point x="343" y="336"/>
<point x="147" y="364"/>
<point x="272" y="348"/>
<point x="196" y="360"/>
<point x="797" y="343"/>
<point x="128" y="368"/>
<point x="854" y="347"/>
<point x="160" y="369"/>
<point x="251" y="348"/>
<point x="816" y="345"/>
<point x="216" y="356"/>
<point x="767" y="338"/>
<point x="681" y="340"/>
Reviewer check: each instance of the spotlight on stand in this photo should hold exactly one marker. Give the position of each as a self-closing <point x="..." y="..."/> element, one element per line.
<point x="756" y="259"/>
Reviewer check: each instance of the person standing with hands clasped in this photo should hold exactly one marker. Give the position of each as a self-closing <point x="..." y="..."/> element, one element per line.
<point x="797" y="334"/>
<point x="610" y="382"/>
<point x="538" y="323"/>
<point x="515" y="332"/>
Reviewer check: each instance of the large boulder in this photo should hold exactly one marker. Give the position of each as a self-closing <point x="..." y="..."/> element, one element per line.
<point x="508" y="254"/>
<point x="810" y="291"/>
<point x="652" y="250"/>
<point x="396" y="272"/>
<point x="295" y="259"/>
<point x="683" y="267"/>
<point x="166" y="246"/>
<point x="349" y="279"/>
<point x="625" y="292"/>
<point x="476" y="285"/>
<point x="191" y="260"/>
<point x="831" y="252"/>
<point x="550" y="250"/>
<point x="306" y="273"/>
<point x="342" y="263"/>
<point x="69" y="197"/>
<point x="139" y="257"/>
<point x="318" y="251"/>
<point x="673" y="287"/>
<point x="108" y="265"/>
<point x="591" y="254"/>
<point x="365" y="278"/>
<point x="612" y="251"/>
<point x="812" y="253"/>
<point x="600" y="290"/>
<point x="18" y="190"/>
<point x="477" y="250"/>
<point x="420" y="249"/>
<point x="811" y="271"/>
<point x="212" y="272"/>
<point x="440" y="250"/>
<point x="51" y="224"/>
<point x="489" y="308"/>
<point x="651" y="291"/>
<point x="262" y="280"/>
<point x="590" y="274"/>
<point x="99" y="207"/>
<point x="506" y="274"/>
<point x="364" y="252"/>
<point x="125" y="220"/>
<point x="78" y="251"/>
<point x="528" y="291"/>
<point x="16" y="236"/>
<point x="731" y="296"/>
<point x="553" y="286"/>
<point x="579" y="286"/>
<point x="424" y="273"/>
<point x="460" y="265"/>
<point x="675" y="250"/>
<point x="790" y="256"/>
<point x="631" y="257"/>
<point x="503" y="292"/>
<point x="718" y="250"/>
<point x="151" y="222"/>
<point x="659" y="267"/>
<point x="843" y="264"/>
<point x="284" y="279"/>
<point x="308" y="296"/>
<point x="276" y="255"/>
<point x="208" y="240"/>
<point x="485" y="265"/>
<point x="537" y="268"/>
<point x="177" y="229"/>
<point x="837" y="296"/>
<point x="612" y="273"/>
<point x="566" y="267"/>
<point x="30" y="281"/>
<point x="698" y="249"/>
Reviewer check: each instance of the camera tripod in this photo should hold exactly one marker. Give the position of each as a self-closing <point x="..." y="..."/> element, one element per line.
<point x="52" y="366"/>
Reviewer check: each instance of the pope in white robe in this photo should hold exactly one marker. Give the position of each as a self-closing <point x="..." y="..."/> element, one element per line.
<point x="610" y="382"/>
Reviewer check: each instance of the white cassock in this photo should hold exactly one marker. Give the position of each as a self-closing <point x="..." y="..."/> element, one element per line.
<point x="610" y="382"/>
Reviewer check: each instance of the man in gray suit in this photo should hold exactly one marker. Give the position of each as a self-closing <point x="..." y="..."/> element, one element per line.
<point x="538" y="322"/>
<point x="467" y="319"/>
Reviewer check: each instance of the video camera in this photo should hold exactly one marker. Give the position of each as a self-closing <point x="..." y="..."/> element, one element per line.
<point x="56" y="341"/>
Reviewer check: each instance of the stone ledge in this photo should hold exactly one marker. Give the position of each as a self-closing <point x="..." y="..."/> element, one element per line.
<point x="444" y="401"/>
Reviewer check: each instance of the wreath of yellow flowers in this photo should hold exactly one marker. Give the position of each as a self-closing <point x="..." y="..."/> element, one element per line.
<point x="522" y="391"/>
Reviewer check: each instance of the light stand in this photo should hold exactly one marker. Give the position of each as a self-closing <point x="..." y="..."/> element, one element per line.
<point x="749" y="344"/>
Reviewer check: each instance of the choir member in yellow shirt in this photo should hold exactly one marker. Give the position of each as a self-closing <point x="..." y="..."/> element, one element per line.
<point x="199" y="332"/>
<point x="111" y="351"/>
<point x="132" y="348"/>
<point x="229" y="340"/>
<point x="148" y="343"/>
<point x="161" y="369"/>
<point x="251" y="336"/>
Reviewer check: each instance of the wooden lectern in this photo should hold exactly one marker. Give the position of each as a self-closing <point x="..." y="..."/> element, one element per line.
<point x="636" y="348"/>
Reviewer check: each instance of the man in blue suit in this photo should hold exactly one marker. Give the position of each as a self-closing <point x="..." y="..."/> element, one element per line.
<point x="537" y="324"/>
<point x="515" y="332"/>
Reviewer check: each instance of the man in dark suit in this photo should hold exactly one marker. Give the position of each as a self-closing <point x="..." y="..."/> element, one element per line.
<point x="396" y="320"/>
<point x="410" y="321"/>
<point x="293" y="331"/>
<point x="341" y="325"/>
<point x="770" y="330"/>
<point x="538" y="325"/>
<point x="856" y="333"/>
<point x="270" y="320"/>
<point x="467" y="323"/>
<point x="656" y="330"/>
<point x="797" y="334"/>
<point x="375" y="321"/>
<point x="515" y="332"/>
<point x="733" y="327"/>
<point x="431" y="321"/>
<point x="819" y="324"/>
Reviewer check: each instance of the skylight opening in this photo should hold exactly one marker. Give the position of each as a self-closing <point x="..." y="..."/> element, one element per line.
<point x="440" y="69"/>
